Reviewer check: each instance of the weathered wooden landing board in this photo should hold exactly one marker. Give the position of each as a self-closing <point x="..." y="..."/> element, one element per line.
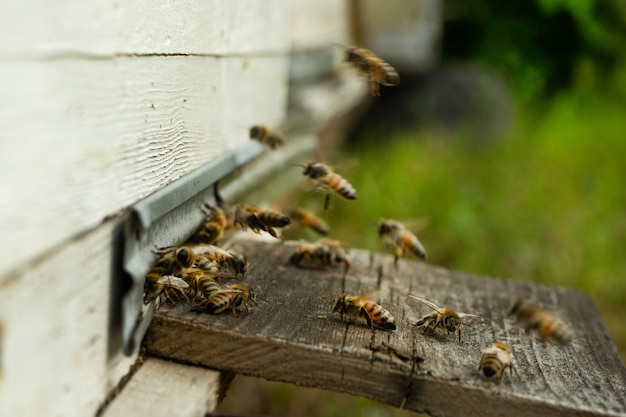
<point x="292" y="336"/>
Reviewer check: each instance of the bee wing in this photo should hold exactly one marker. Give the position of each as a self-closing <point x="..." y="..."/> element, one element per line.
<point x="173" y="281"/>
<point x="371" y="295"/>
<point x="504" y="356"/>
<point x="416" y="223"/>
<point x="228" y="291"/>
<point x="467" y="316"/>
<point x="331" y="242"/>
<point x="208" y="249"/>
<point x="163" y="250"/>
<point x="426" y="302"/>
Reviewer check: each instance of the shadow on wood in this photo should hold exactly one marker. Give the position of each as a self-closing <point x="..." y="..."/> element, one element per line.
<point x="293" y="336"/>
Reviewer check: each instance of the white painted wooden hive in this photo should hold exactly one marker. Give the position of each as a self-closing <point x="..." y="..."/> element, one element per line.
<point x="103" y="104"/>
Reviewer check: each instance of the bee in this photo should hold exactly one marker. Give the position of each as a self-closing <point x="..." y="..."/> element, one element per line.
<point x="403" y="240"/>
<point x="495" y="359"/>
<point x="174" y="260"/>
<point x="442" y="318"/>
<point x="362" y="306"/>
<point x="204" y="284"/>
<point x="257" y="219"/>
<point x="308" y="219"/>
<point x="325" y="178"/>
<point x="323" y="253"/>
<point x="157" y="283"/>
<point x="235" y="297"/>
<point x="267" y="136"/>
<point x="221" y="259"/>
<point x="235" y="262"/>
<point x="547" y="325"/>
<point x="213" y="228"/>
<point x="378" y="71"/>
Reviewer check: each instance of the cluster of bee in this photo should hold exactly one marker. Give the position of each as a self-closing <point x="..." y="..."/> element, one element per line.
<point x="202" y="274"/>
<point x="196" y="273"/>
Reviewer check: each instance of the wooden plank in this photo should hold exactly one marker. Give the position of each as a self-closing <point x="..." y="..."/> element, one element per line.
<point x="162" y="389"/>
<point x="293" y="337"/>
<point x="105" y="28"/>
<point x="60" y="342"/>
<point x="111" y="132"/>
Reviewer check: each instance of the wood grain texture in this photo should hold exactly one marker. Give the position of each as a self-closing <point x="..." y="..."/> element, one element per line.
<point x="162" y="389"/>
<point x="37" y="28"/>
<point x="87" y="138"/>
<point x="293" y="336"/>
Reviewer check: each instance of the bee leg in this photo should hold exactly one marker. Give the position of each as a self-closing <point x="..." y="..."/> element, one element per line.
<point x="168" y="298"/>
<point x="367" y="318"/>
<point x="327" y="201"/>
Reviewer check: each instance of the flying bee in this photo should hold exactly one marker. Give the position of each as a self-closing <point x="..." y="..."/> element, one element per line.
<point x="214" y="225"/>
<point x="257" y="219"/>
<point x="395" y="233"/>
<point x="546" y="324"/>
<point x="235" y="297"/>
<point x="308" y="219"/>
<point x="378" y="71"/>
<point x="323" y="253"/>
<point x="157" y="284"/>
<point x="324" y="177"/>
<point x="267" y="136"/>
<point x="362" y="306"/>
<point x="442" y="318"/>
<point x="495" y="359"/>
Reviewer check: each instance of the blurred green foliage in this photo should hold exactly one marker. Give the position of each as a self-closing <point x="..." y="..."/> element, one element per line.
<point x="536" y="44"/>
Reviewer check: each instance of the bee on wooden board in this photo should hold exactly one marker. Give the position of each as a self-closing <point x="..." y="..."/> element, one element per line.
<point x="257" y="219"/>
<point x="324" y="177"/>
<point x="173" y="260"/>
<point x="320" y="254"/>
<point x="403" y="240"/>
<point x="377" y="70"/>
<point x="308" y="219"/>
<point x="223" y="260"/>
<point x="543" y="322"/>
<point x="364" y="307"/>
<point x="204" y="285"/>
<point x="270" y="137"/>
<point x="495" y="359"/>
<point x="158" y="284"/>
<point x="214" y="226"/>
<point x="235" y="297"/>
<point x="236" y="262"/>
<point x="441" y="318"/>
